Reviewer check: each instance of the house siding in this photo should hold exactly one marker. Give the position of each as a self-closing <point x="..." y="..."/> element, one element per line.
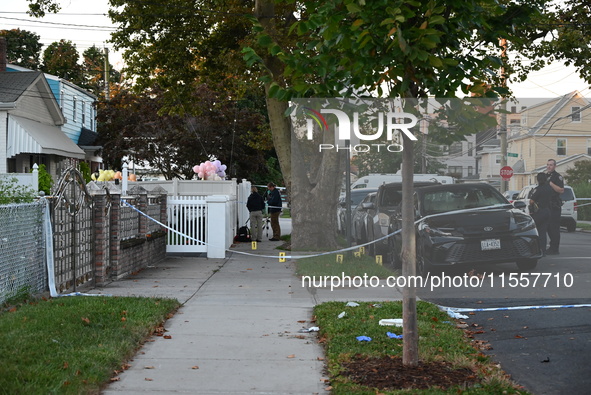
<point x="535" y="143"/>
<point x="65" y="94"/>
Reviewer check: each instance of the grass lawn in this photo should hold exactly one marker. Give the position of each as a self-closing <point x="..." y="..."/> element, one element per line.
<point x="368" y="367"/>
<point x="333" y="265"/>
<point x="73" y="345"/>
<point x="583" y="226"/>
<point x="449" y="361"/>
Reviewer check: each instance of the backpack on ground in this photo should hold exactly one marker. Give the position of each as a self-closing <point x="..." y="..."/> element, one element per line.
<point x="243" y="234"/>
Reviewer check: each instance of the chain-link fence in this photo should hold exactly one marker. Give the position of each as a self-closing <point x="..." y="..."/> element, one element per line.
<point x="22" y="250"/>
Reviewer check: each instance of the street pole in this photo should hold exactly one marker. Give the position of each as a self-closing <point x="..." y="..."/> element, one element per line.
<point x="107" y="72"/>
<point x="503" y="120"/>
<point x="348" y="224"/>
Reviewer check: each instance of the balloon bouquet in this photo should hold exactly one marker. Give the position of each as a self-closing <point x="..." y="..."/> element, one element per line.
<point x="210" y="170"/>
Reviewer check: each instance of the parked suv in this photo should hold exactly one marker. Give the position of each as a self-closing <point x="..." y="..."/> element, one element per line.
<point x="568" y="216"/>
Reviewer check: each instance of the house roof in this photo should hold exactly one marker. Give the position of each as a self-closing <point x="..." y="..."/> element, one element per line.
<point x="87" y="137"/>
<point x="563" y="161"/>
<point x="13" y="85"/>
<point x="13" y="67"/>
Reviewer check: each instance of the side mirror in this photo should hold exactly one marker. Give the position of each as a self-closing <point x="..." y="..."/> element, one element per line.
<point x="519" y="204"/>
<point x="367" y="206"/>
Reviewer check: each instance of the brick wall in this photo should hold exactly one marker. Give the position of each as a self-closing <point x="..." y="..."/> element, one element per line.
<point x="126" y="242"/>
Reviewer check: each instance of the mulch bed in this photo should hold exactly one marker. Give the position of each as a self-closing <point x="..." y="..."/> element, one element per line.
<point x="388" y="373"/>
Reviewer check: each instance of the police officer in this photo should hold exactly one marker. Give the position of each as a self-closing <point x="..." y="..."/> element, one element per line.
<point x="556" y="182"/>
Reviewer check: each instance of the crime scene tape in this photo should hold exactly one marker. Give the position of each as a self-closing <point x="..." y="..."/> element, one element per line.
<point x="352" y="248"/>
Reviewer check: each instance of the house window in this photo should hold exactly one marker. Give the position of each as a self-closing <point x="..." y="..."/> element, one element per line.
<point x="74" y="105"/>
<point x="454" y="169"/>
<point x="513" y="109"/>
<point x="524" y="119"/>
<point x="470" y="149"/>
<point x="83" y="113"/>
<point x="561" y="147"/>
<point x="575" y="114"/>
<point x="62" y="102"/>
<point x="92" y="118"/>
<point x="455" y="148"/>
<point x="470" y="170"/>
<point x="497" y="159"/>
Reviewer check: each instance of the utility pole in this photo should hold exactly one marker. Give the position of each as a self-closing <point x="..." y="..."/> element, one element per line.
<point x="503" y="120"/>
<point x="107" y="72"/>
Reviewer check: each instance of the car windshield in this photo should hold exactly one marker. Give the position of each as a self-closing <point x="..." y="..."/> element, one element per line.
<point x="356" y="198"/>
<point x="441" y="200"/>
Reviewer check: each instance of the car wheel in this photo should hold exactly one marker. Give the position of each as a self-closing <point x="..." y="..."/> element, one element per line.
<point x="571" y="226"/>
<point x="423" y="266"/>
<point x="392" y="256"/>
<point x="527" y="264"/>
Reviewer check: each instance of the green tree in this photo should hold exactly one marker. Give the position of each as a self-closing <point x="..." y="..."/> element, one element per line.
<point x="23" y="48"/>
<point x="132" y="125"/>
<point x="580" y="174"/>
<point x="61" y="59"/>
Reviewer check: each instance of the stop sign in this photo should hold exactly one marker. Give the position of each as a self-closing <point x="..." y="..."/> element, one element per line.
<point x="506" y="172"/>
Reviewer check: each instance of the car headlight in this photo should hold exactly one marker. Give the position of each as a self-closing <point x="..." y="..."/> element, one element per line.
<point x="438" y="232"/>
<point x="522" y="221"/>
<point x="384" y="220"/>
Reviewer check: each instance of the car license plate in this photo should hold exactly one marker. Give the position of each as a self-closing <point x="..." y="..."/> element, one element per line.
<point x="490" y="244"/>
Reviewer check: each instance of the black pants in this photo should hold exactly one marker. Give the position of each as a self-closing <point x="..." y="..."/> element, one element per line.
<point x="554" y="228"/>
<point x="542" y="217"/>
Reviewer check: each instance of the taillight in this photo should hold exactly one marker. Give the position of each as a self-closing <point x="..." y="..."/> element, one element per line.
<point x="575" y="206"/>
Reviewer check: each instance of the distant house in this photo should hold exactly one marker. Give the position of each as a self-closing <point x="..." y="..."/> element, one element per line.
<point x="30" y="125"/>
<point x="557" y="129"/>
<point x="459" y="159"/>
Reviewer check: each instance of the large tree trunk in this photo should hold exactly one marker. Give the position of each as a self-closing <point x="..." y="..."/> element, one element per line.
<point x="281" y="132"/>
<point x="314" y="186"/>
<point x="317" y="181"/>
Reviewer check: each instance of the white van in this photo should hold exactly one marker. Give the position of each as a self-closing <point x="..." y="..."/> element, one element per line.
<point x="374" y="180"/>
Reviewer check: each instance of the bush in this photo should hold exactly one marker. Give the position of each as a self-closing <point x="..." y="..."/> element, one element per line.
<point x="85" y="171"/>
<point x="45" y="180"/>
<point x="12" y="192"/>
<point x="583" y="190"/>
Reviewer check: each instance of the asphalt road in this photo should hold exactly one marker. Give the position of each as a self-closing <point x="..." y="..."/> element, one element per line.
<point x="546" y="350"/>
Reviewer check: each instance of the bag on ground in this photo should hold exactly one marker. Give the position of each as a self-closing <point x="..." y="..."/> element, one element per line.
<point x="243" y="234"/>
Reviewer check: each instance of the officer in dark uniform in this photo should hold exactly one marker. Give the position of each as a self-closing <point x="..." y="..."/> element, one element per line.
<point x="556" y="182"/>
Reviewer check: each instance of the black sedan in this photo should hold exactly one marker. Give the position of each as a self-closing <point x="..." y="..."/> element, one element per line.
<point x="464" y="224"/>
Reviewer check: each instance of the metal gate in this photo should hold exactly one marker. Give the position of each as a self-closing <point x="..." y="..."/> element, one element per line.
<point x="72" y="222"/>
<point x="187" y="215"/>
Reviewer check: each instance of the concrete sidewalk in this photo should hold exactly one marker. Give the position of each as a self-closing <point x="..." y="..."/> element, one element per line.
<point x="238" y="324"/>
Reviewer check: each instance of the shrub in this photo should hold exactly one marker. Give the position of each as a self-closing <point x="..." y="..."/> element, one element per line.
<point x="45" y="180"/>
<point x="85" y="171"/>
<point x="583" y="190"/>
<point x="12" y="192"/>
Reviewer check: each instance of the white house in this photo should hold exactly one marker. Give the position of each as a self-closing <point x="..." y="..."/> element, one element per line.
<point x="30" y="125"/>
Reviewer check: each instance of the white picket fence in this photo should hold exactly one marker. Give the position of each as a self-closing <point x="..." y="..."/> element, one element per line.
<point x="205" y="215"/>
